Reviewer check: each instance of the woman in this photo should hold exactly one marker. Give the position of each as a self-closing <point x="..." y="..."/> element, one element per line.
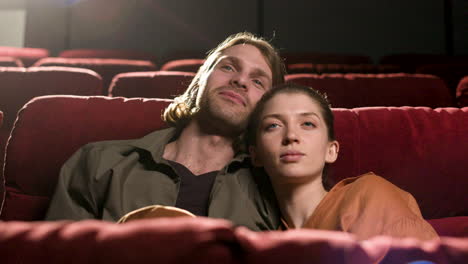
<point x="290" y="134"/>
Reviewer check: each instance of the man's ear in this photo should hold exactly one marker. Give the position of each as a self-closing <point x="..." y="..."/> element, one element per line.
<point x="332" y="151"/>
<point x="254" y="156"/>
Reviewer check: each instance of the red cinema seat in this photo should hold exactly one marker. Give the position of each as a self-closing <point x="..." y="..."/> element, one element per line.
<point x="28" y="56"/>
<point x="10" y="62"/>
<point x="418" y="149"/>
<point x="185" y="65"/>
<point x="462" y="92"/>
<point x="158" y="84"/>
<point x="107" y="68"/>
<point x="409" y="62"/>
<point x="76" y="121"/>
<point x="341" y="68"/>
<point x="360" y="90"/>
<point x="19" y="85"/>
<point x="107" y="54"/>
<point x="325" y="58"/>
<point x="451" y="73"/>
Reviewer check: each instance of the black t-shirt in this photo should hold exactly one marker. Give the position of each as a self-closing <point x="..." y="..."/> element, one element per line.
<point x="194" y="192"/>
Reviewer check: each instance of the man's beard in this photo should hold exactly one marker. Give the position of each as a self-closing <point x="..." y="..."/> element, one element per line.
<point x="220" y="116"/>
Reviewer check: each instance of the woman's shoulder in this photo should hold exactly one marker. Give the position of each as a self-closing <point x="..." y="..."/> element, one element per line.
<point x="370" y="184"/>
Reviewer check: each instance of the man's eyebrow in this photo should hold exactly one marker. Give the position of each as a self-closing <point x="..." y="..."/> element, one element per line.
<point x="237" y="63"/>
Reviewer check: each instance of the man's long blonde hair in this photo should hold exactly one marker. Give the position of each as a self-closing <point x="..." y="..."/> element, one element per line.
<point x="179" y="112"/>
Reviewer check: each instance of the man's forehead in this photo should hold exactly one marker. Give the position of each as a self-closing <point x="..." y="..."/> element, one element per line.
<point x="246" y="53"/>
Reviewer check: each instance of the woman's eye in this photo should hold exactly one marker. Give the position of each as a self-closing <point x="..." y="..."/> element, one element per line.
<point x="309" y="124"/>
<point x="271" y="126"/>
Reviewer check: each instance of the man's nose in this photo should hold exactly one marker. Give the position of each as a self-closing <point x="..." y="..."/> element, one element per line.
<point x="239" y="80"/>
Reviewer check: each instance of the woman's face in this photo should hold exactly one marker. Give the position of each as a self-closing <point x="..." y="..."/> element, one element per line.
<point x="292" y="140"/>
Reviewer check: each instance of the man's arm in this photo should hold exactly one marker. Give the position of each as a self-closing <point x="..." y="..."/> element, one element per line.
<point x="76" y="195"/>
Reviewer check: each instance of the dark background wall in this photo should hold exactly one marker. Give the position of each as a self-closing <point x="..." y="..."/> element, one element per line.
<point x="162" y="27"/>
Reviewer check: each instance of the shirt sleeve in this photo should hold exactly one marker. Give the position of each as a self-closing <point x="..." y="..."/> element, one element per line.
<point x="381" y="208"/>
<point x="80" y="183"/>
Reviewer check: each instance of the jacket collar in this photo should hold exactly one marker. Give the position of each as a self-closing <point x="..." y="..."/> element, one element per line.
<point x="157" y="140"/>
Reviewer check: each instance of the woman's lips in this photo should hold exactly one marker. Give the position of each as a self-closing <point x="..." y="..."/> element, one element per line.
<point x="291" y="156"/>
<point x="233" y="96"/>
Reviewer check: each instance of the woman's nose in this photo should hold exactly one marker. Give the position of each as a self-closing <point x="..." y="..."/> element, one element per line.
<point x="290" y="136"/>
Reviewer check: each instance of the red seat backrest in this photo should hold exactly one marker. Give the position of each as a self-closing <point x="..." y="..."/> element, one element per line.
<point x="107" y="68"/>
<point x="184" y="65"/>
<point x="159" y="84"/>
<point x="361" y="90"/>
<point x="462" y="92"/>
<point x="421" y="150"/>
<point x="107" y="54"/>
<point x="27" y="55"/>
<point x="39" y="144"/>
<point x="10" y="62"/>
<point x="19" y="85"/>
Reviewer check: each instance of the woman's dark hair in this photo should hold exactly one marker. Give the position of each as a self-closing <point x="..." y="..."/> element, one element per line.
<point x="291" y="88"/>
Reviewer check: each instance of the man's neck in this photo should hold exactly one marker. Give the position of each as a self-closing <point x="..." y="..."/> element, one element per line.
<point x="198" y="151"/>
<point x="299" y="201"/>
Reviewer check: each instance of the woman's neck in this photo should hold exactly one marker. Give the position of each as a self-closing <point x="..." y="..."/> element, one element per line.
<point x="298" y="201"/>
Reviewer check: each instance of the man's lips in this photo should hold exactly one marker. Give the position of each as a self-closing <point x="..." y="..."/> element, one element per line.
<point x="234" y="96"/>
<point x="291" y="156"/>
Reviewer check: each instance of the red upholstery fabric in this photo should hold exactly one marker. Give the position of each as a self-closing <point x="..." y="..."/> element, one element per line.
<point x="19" y="85"/>
<point x="184" y="65"/>
<point x="107" y="54"/>
<point x="325" y="58"/>
<point x="173" y="241"/>
<point x="341" y="68"/>
<point x="1" y="119"/>
<point x="27" y="55"/>
<point x="360" y="90"/>
<point x="450" y="73"/>
<point x="409" y="62"/>
<point x="159" y="84"/>
<point x="107" y="68"/>
<point x="451" y="226"/>
<point x="403" y="145"/>
<point x="204" y="240"/>
<point x="318" y="246"/>
<point x="10" y="62"/>
<point x="421" y="150"/>
<point x="462" y="92"/>
<point x="46" y="143"/>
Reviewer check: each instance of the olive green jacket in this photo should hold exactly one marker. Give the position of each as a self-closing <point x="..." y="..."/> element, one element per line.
<point x="107" y="179"/>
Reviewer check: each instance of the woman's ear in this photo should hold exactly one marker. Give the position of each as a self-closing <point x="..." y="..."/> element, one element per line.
<point x="253" y="155"/>
<point x="332" y="151"/>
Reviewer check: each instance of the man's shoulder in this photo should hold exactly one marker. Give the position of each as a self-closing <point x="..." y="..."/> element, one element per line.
<point x="122" y="144"/>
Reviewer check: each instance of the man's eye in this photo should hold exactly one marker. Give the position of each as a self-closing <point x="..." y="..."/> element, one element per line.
<point x="309" y="124"/>
<point x="227" y="67"/>
<point x="258" y="82"/>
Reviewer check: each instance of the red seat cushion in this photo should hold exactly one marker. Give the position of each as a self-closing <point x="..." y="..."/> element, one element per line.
<point x="107" y="54"/>
<point x="183" y="65"/>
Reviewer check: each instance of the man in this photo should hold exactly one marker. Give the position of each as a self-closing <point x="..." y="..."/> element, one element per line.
<point x="193" y="165"/>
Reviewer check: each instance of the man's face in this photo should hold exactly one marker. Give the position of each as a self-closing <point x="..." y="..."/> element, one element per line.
<point x="239" y="78"/>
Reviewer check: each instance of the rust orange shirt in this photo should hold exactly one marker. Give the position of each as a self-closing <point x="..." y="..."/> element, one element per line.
<point x="367" y="206"/>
